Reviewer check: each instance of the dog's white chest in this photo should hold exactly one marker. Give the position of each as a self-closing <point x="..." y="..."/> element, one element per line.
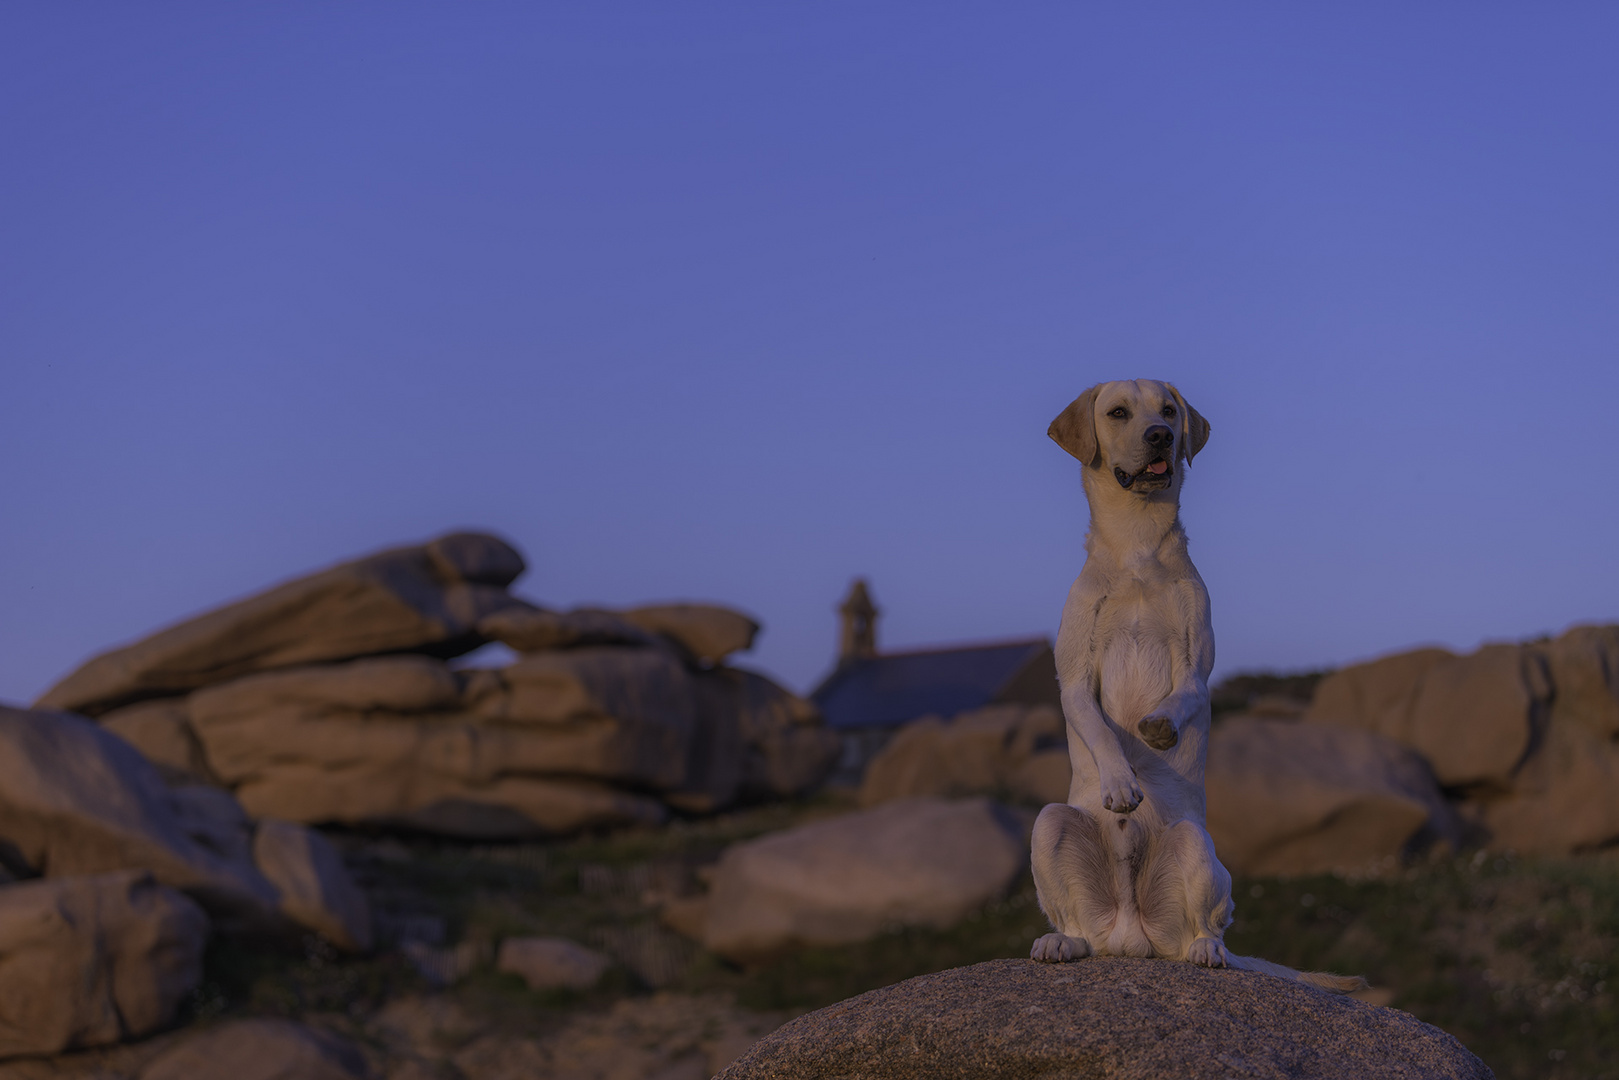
<point x="1137" y="665"/>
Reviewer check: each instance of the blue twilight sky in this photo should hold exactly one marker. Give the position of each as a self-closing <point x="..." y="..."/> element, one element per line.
<point x="736" y="301"/>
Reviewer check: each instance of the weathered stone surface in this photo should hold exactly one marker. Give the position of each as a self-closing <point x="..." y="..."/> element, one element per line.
<point x="1289" y="798"/>
<point x="551" y="963"/>
<point x="976" y="752"/>
<point x="916" y="861"/>
<point x="528" y="750"/>
<point x="708" y="632"/>
<point x="621" y="714"/>
<point x="86" y="961"/>
<point x="214" y="819"/>
<point x="1584" y="666"/>
<point x="161" y="730"/>
<point x="1471" y="716"/>
<point x="751" y="740"/>
<point x="78" y="800"/>
<point x="404" y="599"/>
<point x="788" y="750"/>
<point x="530" y="629"/>
<point x="1564" y="799"/>
<point x="1111" y="1018"/>
<point x="316" y="889"/>
<point x="258" y="1050"/>
<point x="1376" y="695"/>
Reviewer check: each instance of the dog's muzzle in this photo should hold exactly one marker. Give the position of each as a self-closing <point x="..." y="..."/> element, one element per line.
<point x="1156" y="473"/>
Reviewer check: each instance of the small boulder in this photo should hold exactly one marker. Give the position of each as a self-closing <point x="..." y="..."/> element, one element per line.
<point x="1289" y="798"/>
<point x="921" y="861"/>
<point x="87" y="961"/>
<point x="316" y="889"/>
<point x="426" y="598"/>
<point x="551" y="963"/>
<point x="259" y="1050"/>
<point x="1122" y="1018"/>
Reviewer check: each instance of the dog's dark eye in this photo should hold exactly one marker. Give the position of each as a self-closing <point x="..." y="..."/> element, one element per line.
<point x="1121" y="413"/>
<point x="1169" y="412"/>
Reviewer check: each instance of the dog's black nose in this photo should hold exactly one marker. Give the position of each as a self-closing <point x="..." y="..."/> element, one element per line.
<point x="1159" y="437"/>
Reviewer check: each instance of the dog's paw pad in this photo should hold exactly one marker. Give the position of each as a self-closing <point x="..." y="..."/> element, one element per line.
<point x="1121" y="798"/>
<point x="1159" y="732"/>
<point x="1207" y="952"/>
<point x="1059" y="949"/>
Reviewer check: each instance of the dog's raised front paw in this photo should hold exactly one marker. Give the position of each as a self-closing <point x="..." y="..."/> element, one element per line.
<point x="1121" y="794"/>
<point x="1206" y="951"/>
<point x="1059" y="949"/>
<point x="1158" y="731"/>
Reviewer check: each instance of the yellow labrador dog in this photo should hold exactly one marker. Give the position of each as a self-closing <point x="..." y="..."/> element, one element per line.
<point x="1126" y="867"/>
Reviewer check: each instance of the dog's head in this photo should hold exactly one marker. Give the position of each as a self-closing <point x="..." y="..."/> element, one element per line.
<point x="1138" y="430"/>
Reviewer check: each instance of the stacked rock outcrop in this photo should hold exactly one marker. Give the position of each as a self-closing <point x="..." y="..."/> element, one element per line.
<point x="1523" y="738"/>
<point x="111" y="882"/>
<point x="329" y="700"/>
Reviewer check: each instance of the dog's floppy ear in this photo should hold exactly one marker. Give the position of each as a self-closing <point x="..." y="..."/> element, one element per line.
<point x="1194" y="429"/>
<point x="1075" y="429"/>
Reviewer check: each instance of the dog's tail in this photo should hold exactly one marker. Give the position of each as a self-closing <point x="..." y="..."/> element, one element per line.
<point x="1337" y="984"/>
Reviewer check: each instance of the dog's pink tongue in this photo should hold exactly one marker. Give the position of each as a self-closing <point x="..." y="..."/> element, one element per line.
<point x="1157" y="467"/>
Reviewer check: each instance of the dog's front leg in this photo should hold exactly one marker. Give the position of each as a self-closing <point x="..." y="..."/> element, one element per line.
<point x="1193" y="658"/>
<point x="1120" y="791"/>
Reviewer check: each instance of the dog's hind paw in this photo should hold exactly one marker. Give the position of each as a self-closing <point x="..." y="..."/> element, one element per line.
<point x="1207" y="951"/>
<point x="1059" y="949"/>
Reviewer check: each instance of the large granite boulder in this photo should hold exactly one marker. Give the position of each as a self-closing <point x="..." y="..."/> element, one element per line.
<point x="87" y="961"/>
<point x="75" y="799"/>
<point x="587" y="736"/>
<point x="425" y="598"/>
<point x="78" y="800"/>
<point x="1117" y="1018"/>
<point x="979" y="752"/>
<point x="1289" y="798"/>
<point x="928" y="862"/>
<point x="259" y="1049"/>
<point x="1472" y="717"/>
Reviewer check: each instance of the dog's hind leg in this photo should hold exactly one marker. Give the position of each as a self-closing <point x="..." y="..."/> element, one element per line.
<point x="1184" y="896"/>
<point x="1073" y="879"/>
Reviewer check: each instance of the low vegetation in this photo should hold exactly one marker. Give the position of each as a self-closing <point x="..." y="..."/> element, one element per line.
<point x="1518" y="958"/>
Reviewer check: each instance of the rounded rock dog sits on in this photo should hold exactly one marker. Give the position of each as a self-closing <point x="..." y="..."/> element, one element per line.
<point x="1126" y="867"/>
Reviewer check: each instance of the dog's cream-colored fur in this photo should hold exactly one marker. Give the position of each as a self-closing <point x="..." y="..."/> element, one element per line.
<point x="1126" y="867"/>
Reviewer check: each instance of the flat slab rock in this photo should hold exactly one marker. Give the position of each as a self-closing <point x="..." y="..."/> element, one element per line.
<point x="1105" y="1017"/>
